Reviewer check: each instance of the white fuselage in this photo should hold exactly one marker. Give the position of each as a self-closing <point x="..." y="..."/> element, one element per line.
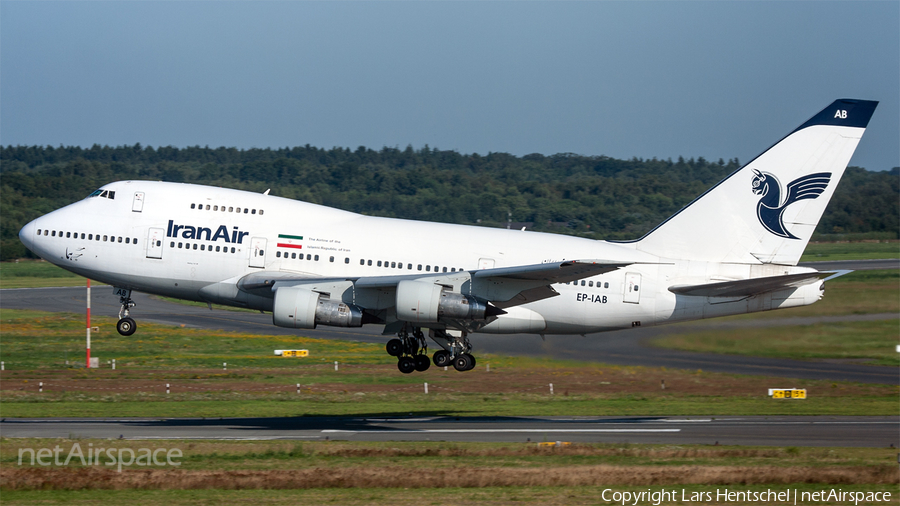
<point x="179" y="240"/>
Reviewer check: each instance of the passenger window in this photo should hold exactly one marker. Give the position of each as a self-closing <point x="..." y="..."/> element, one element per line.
<point x="193" y="206"/>
<point x="254" y="211"/>
<point x="606" y="285"/>
<point x="90" y="237"/>
<point x="409" y="266"/>
<point x="230" y="209"/>
<point x="379" y="263"/>
<point x="346" y="260"/>
<point x="362" y="262"/>
<point x="202" y="246"/>
<point x="180" y="245"/>
<point x="277" y="254"/>
<point x="232" y="250"/>
<point x="45" y="232"/>
<point x="369" y="262"/>
<point x="217" y="249"/>
<point x="393" y="264"/>
<point x="120" y="238"/>
<point x="582" y="282"/>
<point x="82" y="236"/>
<point x="419" y="267"/>
<point x="215" y="208"/>
<point x="68" y="235"/>
<point x="260" y="212"/>
<point x="453" y="269"/>
<point x="293" y="255"/>
<point x="428" y="268"/>
<point x="245" y="210"/>
<point x="237" y="209"/>
<point x="158" y="243"/>
<point x="445" y="269"/>
<point x="134" y="241"/>
<point x="331" y="259"/>
<point x="195" y="246"/>
<point x="207" y="207"/>
<point x="104" y="238"/>
<point x="54" y="233"/>
<point x="39" y="232"/>
<point x="171" y="244"/>
<point x="590" y="283"/>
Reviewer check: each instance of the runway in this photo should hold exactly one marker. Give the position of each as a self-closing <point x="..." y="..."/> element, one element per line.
<point x="625" y="347"/>
<point x="729" y="430"/>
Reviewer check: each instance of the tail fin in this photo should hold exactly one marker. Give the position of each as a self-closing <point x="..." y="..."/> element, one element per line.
<point x="766" y="211"/>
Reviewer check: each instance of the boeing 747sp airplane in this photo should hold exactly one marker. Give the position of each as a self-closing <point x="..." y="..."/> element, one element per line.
<point x="732" y="250"/>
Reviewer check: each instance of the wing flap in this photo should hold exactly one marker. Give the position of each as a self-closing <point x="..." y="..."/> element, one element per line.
<point x="749" y="287"/>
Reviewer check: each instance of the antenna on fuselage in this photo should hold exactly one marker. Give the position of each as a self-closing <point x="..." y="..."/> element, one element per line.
<point x="267" y="191"/>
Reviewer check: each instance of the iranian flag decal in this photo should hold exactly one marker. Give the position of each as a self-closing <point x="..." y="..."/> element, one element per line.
<point x="289" y="241"/>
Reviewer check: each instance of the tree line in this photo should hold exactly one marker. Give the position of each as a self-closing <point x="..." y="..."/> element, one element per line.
<point x="590" y="196"/>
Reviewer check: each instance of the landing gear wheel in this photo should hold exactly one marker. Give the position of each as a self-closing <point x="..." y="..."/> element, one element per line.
<point x="406" y="365"/>
<point x="126" y="326"/>
<point x="463" y="362"/>
<point x="422" y="363"/>
<point x="442" y="358"/>
<point x="394" y="347"/>
<point x="471" y="362"/>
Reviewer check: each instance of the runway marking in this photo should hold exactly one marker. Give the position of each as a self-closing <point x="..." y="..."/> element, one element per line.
<point x="487" y="431"/>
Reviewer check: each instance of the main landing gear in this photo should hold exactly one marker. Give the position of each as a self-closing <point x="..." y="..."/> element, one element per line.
<point x="126" y="325"/>
<point x="456" y="350"/>
<point x="411" y="351"/>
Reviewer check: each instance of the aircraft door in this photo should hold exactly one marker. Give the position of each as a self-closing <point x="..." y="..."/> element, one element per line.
<point x="154" y="242"/>
<point x="632" y="288"/>
<point x="258" y="252"/>
<point x="485" y="263"/>
<point x="137" y="205"/>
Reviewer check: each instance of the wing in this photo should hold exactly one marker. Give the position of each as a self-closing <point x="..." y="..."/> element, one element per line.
<point x="807" y="187"/>
<point x="478" y="295"/>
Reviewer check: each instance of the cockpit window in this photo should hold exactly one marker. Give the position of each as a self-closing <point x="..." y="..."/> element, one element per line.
<point x="103" y="193"/>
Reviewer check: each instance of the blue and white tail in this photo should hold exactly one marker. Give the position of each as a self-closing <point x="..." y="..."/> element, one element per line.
<point x="766" y="211"/>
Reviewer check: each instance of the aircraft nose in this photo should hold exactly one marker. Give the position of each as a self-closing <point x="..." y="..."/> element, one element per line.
<point x="26" y="235"/>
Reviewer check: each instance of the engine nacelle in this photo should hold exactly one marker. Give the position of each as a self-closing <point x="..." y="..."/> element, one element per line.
<point x="424" y="302"/>
<point x="299" y="308"/>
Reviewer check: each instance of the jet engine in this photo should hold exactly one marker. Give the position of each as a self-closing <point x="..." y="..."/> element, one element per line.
<point x="299" y="308"/>
<point x="425" y="302"/>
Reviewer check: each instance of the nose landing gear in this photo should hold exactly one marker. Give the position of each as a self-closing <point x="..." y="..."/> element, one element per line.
<point x="126" y="325"/>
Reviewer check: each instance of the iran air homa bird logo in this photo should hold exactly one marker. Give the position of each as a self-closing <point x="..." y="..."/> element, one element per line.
<point x="770" y="208"/>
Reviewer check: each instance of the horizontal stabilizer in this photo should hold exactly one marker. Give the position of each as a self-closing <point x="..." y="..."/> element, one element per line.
<point x="749" y="287"/>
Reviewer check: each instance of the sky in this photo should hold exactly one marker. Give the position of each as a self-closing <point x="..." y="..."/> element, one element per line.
<point x="621" y="79"/>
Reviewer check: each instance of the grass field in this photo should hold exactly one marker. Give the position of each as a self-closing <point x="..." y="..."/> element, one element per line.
<point x="280" y="472"/>
<point x="872" y="342"/>
<point x="830" y="251"/>
<point x="35" y="347"/>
